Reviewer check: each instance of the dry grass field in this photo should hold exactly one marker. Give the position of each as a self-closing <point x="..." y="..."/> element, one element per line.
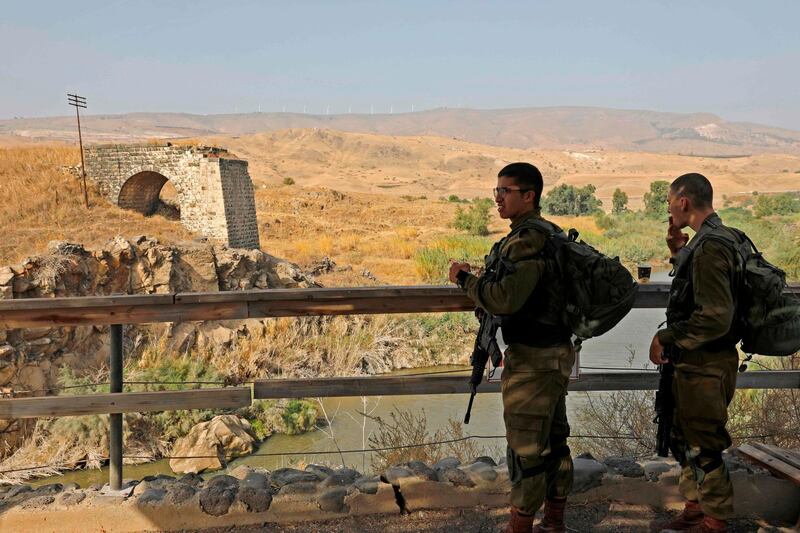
<point x="369" y="202"/>
<point x="438" y="166"/>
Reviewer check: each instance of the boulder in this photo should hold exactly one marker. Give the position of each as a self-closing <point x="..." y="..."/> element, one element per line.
<point x="289" y="476"/>
<point x="256" y="480"/>
<point x="320" y="470"/>
<point x="624" y="466"/>
<point x="457" y="477"/>
<point x="255" y="500"/>
<point x="422" y="470"/>
<point x="217" y="498"/>
<point x="368" y="485"/>
<point x="447" y="462"/>
<point x="341" y="478"/>
<point x="395" y="473"/>
<point x="68" y="499"/>
<point x="588" y="474"/>
<point x="653" y="469"/>
<point x="151" y="496"/>
<point x="332" y="500"/>
<point x="179" y="492"/>
<point x="222" y="438"/>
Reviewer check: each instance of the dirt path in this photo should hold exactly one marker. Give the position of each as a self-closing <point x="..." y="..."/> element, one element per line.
<point x="603" y="517"/>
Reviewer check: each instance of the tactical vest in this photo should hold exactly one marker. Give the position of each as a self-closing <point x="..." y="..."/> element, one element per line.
<point x="540" y="322"/>
<point x="681" y="296"/>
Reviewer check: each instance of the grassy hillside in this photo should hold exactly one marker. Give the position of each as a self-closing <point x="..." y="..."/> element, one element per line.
<point x="43" y="201"/>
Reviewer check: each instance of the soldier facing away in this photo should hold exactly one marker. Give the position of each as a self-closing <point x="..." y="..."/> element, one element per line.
<point x="525" y="293"/>
<point x="700" y="341"/>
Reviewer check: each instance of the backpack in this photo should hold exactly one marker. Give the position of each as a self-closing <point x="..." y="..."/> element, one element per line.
<point x="768" y="319"/>
<point x="599" y="290"/>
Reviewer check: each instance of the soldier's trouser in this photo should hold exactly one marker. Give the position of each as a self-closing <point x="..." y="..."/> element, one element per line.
<point x="534" y="385"/>
<point x="703" y="387"/>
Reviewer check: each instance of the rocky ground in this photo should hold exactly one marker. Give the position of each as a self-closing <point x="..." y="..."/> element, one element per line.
<point x="618" y="494"/>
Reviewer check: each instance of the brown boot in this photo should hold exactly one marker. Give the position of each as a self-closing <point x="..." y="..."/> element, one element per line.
<point x="691" y="516"/>
<point x="710" y="525"/>
<point x="553" y="520"/>
<point x="519" y="523"/>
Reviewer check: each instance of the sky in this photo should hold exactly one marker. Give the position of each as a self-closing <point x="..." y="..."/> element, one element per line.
<point x="737" y="59"/>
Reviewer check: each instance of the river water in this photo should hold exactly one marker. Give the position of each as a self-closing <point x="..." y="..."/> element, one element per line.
<point x="626" y="346"/>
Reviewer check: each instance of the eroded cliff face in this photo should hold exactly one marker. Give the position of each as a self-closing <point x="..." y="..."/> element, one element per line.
<point x="30" y="359"/>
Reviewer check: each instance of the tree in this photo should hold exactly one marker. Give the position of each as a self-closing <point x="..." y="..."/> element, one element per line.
<point x="570" y="200"/>
<point x="655" y="201"/>
<point x="619" y="202"/>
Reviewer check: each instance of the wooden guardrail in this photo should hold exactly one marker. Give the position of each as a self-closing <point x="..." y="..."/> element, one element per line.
<point x="115" y="310"/>
<point x="233" y="305"/>
<point x="128" y="402"/>
<point x="458" y="384"/>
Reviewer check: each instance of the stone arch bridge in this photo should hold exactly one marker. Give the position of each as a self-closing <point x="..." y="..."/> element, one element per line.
<point x="214" y="190"/>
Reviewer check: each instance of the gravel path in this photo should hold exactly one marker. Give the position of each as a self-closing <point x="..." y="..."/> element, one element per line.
<point x="603" y="517"/>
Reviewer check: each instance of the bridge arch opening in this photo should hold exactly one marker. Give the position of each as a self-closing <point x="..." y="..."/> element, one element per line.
<point x="150" y="193"/>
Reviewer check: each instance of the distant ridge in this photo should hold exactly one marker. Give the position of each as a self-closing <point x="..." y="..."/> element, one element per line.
<point x="700" y="134"/>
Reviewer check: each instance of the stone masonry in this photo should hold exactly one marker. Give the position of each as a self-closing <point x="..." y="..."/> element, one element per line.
<point x="214" y="190"/>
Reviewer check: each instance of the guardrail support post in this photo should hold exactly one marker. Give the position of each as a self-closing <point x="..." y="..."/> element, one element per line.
<point x="115" y="427"/>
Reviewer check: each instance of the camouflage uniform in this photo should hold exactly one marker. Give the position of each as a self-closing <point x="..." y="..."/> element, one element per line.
<point x="700" y="318"/>
<point x="536" y="370"/>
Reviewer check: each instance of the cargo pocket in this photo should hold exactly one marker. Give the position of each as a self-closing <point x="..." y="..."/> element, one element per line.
<point x="529" y="401"/>
<point x="702" y="408"/>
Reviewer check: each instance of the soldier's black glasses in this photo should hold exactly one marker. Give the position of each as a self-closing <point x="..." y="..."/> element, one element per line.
<point x="500" y="192"/>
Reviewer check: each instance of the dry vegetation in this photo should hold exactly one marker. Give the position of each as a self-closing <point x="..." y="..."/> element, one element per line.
<point x="42" y="201"/>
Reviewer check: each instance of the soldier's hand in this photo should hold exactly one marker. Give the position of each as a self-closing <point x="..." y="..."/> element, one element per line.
<point x="657" y="352"/>
<point x="676" y="239"/>
<point x="455" y="267"/>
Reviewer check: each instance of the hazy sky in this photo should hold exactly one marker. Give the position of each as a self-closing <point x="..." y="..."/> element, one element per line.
<point x="738" y="59"/>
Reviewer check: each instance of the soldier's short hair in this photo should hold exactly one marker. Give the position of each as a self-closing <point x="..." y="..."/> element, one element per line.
<point x="526" y="176"/>
<point x="696" y="187"/>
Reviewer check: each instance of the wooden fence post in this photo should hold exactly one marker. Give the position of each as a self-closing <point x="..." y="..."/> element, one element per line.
<point x="115" y="426"/>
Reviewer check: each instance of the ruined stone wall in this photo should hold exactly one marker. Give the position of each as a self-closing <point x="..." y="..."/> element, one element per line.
<point x="240" y="206"/>
<point x="214" y="193"/>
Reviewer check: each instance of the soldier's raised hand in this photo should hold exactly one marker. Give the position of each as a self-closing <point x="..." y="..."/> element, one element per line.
<point x="455" y="266"/>
<point x="676" y="239"/>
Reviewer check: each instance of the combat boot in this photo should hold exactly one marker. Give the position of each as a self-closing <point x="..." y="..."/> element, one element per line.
<point x="691" y="516"/>
<point x="519" y="523"/>
<point x="553" y="520"/>
<point x="710" y="525"/>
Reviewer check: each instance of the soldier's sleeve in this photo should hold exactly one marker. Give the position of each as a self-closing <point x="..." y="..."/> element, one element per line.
<point x="508" y="295"/>
<point x="712" y="317"/>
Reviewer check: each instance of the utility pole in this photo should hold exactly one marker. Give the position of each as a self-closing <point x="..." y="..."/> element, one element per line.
<point x="79" y="102"/>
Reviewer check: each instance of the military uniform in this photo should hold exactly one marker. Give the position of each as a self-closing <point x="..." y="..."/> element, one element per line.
<point x="537" y="363"/>
<point x="700" y="325"/>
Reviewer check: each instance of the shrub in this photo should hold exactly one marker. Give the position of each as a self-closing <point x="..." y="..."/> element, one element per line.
<point x="299" y="416"/>
<point x="288" y="181"/>
<point x="405" y="428"/>
<point x="604" y="221"/>
<point x="776" y="204"/>
<point x="474" y="220"/>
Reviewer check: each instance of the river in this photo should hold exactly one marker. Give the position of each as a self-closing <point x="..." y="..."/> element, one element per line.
<point x="626" y="346"/>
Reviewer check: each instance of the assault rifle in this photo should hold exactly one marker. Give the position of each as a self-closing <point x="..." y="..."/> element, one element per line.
<point x="485" y="347"/>
<point x="665" y="402"/>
